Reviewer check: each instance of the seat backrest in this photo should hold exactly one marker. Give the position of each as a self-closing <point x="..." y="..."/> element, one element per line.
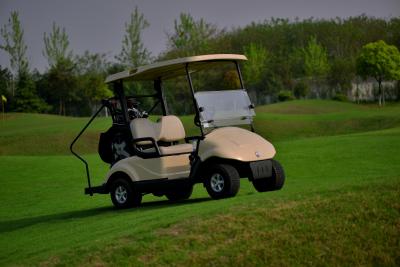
<point x="142" y="127"/>
<point x="171" y="129"/>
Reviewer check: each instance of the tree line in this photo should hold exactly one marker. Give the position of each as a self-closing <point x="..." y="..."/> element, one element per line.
<point x="317" y="58"/>
<point x="301" y="58"/>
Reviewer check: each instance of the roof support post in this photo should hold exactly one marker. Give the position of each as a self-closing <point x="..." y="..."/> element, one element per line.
<point x="161" y="96"/>
<point x="240" y="74"/>
<point x="119" y="91"/>
<point x="194" y="99"/>
<point x="242" y="85"/>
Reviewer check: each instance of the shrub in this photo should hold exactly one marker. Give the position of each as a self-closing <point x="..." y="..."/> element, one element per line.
<point x="301" y="89"/>
<point x="285" y="95"/>
<point x="340" y="97"/>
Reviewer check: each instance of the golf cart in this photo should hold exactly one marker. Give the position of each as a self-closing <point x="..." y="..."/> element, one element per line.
<point x="157" y="157"/>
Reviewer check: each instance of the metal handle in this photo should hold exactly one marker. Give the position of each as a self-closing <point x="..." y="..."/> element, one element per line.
<point x="76" y="139"/>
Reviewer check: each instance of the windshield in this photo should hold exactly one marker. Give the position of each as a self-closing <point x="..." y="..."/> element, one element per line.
<point x="223" y="108"/>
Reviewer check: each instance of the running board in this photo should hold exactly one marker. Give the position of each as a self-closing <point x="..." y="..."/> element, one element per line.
<point x="96" y="189"/>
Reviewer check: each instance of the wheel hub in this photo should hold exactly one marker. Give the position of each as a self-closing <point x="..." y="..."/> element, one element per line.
<point x="217" y="182"/>
<point x="121" y="194"/>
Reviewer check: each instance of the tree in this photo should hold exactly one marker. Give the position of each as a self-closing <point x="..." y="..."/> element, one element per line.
<point x="316" y="64"/>
<point x="91" y="71"/>
<point x="133" y="53"/>
<point x="341" y="74"/>
<point x="258" y="73"/>
<point x="92" y="62"/>
<point x="24" y="95"/>
<point x="61" y="76"/>
<point x="315" y="59"/>
<point x="56" y="46"/>
<point x="255" y="67"/>
<point x="13" y="36"/>
<point x="26" y="98"/>
<point x="380" y="61"/>
<point x="62" y="83"/>
<point x="5" y="81"/>
<point x="191" y="37"/>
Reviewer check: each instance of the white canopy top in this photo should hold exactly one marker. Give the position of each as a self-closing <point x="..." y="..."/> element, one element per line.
<point x="173" y="68"/>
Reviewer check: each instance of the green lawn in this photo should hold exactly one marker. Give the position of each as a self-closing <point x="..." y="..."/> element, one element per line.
<point x="340" y="204"/>
<point x="33" y="134"/>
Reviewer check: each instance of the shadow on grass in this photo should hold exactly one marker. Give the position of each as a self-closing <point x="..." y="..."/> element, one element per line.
<point x="12" y="225"/>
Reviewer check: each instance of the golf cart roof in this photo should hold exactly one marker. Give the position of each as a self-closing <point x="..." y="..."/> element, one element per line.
<point x="172" y="68"/>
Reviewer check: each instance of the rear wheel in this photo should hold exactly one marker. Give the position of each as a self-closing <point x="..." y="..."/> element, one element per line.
<point x="123" y="194"/>
<point x="181" y="193"/>
<point x="222" y="181"/>
<point x="275" y="182"/>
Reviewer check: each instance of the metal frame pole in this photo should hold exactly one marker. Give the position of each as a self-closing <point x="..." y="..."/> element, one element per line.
<point x="194" y="99"/>
<point x="242" y="85"/>
<point x="160" y="95"/>
<point x="71" y="147"/>
<point x="119" y="91"/>
<point x="240" y="74"/>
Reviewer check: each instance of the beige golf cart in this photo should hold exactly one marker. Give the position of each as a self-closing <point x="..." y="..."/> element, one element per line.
<point x="157" y="157"/>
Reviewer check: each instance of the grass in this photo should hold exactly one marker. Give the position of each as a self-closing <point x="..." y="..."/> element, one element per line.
<point x="33" y="134"/>
<point x="312" y="118"/>
<point x="340" y="204"/>
<point x="267" y="232"/>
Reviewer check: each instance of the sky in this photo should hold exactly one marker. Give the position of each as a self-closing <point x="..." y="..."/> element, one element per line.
<point x="98" y="25"/>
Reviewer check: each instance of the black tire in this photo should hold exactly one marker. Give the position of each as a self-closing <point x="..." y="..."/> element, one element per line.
<point x="275" y="182"/>
<point x="181" y="193"/>
<point x="222" y="181"/>
<point x="123" y="194"/>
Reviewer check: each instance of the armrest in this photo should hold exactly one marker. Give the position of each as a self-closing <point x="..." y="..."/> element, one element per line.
<point x="152" y="140"/>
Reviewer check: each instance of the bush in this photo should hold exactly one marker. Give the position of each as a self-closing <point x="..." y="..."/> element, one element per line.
<point x="301" y="89"/>
<point x="340" y="97"/>
<point x="285" y="95"/>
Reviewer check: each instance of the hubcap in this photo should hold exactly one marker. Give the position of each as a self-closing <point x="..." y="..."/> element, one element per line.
<point x="217" y="182"/>
<point x="121" y="194"/>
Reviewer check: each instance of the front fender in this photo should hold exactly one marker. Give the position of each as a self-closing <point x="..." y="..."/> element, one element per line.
<point x="237" y="144"/>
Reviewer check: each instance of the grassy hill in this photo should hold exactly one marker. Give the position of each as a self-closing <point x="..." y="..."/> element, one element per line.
<point x="340" y="204"/>
<point x="35" y="134"/>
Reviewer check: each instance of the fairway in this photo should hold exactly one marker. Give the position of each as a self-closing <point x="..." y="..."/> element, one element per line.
<point x="340" y="204"/>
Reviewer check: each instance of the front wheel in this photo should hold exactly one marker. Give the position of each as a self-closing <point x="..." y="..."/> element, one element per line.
<point x="275" y="182"/>
<point x="222" y="181"/>
<point x="123" y="194"/>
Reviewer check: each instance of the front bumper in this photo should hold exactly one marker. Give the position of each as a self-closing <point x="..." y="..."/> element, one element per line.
<point x="260" y="169"/>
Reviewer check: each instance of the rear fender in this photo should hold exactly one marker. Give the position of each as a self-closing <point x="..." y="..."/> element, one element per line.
<point x="122" y="166"/>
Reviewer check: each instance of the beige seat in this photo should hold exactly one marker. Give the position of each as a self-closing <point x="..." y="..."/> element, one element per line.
<point x="142" y="127"/>
<point x="168" y="129"/>
<point x="171" y="130"/>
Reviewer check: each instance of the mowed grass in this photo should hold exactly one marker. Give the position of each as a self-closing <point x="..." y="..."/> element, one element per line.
<point x="311" y="118"/>
<point x="340" y="205"/>
<point x="34" y="134"/>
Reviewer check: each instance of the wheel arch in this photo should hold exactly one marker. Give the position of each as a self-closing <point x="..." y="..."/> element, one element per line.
<point x="122" y="167"/>
<point x="117" y="175"/>
<point x="242" y="167"/>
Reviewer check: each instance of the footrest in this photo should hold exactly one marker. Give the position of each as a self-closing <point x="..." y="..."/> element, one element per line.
<point x="96" y="189"/>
